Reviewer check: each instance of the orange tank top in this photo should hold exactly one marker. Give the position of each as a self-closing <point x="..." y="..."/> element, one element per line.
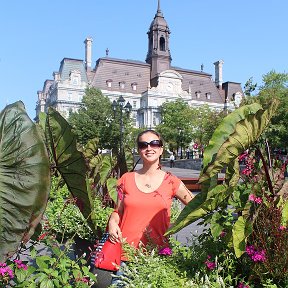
<point x="146" y="216"/>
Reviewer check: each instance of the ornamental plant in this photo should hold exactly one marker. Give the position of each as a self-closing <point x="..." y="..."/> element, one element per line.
<point x="54" y="269"/>
<point x="257" y="196"/>
<point x="24" y="178"/>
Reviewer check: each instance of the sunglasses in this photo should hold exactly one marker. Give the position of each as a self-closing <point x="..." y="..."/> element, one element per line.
<point x="153" y="144"/>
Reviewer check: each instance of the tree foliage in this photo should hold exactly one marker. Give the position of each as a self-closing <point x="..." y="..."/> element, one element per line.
<point x="96" y="119"/>
<point x="274" y="87"/>
<point x="176" y="123"/>
<point x="194" y="123"/>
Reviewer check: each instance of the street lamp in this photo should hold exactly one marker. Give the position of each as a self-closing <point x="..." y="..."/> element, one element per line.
<point x="127" y="108"/>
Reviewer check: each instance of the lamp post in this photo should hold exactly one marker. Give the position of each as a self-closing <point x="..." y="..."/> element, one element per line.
<point x="120" y="103"/>
<point x="181" y="142"/>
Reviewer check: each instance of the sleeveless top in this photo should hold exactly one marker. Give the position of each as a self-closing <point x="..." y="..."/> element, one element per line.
<point x="146" y="216"/>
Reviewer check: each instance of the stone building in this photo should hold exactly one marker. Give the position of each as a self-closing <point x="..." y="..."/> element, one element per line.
<point x="146" y="85"/>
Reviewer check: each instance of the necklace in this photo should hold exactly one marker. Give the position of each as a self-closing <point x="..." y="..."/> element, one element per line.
<point x="148" y="185"/>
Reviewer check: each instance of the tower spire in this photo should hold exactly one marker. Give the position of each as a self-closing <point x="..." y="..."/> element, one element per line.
<point x="159" y="12"/>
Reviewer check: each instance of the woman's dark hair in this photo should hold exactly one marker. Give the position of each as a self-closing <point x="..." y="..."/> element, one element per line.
<point x="149" y="131"/>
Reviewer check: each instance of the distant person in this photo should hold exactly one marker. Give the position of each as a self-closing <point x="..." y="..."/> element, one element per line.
<point x="187" y="153"/>
<point x="172" y="160"/>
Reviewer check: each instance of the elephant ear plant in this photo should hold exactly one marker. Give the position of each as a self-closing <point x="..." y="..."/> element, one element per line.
<point x="85" y="172"/>
<point x="239" y="131"/>
<point x="24" y="178"/>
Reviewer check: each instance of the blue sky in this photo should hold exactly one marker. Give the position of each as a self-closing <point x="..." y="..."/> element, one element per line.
<point x="249" y="36"/>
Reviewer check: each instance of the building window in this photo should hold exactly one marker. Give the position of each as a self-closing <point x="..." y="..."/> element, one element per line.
<point x="75" y="77"/>
<point x="75" y="81"/>
<point x="162" y="44"/>
<point x="109" y="83"/>
<point x="208" y="95"/>
<point x="198" y="94"/>
<point x="134" y="86"/>
<point x="134" y="104"/>
<point x="122" y="85"/>
<point x="69" y="96"/>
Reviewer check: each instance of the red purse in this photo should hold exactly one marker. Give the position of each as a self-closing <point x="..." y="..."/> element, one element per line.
<point x="107" y="255"/>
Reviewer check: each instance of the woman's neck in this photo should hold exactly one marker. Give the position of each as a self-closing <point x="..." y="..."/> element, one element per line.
<point x="150" y="169"/>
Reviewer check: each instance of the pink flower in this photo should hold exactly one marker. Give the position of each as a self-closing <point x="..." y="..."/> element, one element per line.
<point x="209" y="264"/>
<point x="252" y="197"/>
<point x="255" y="199"/>
<point x="259" y="256"/>
<point x="20" y="265"/>
<point x="256" y="255"/>
<point x="6" y="271"/>
<point x="165" y="251"/>
<point x="223" y="234"/>
<point x="242" y="285"/>
<point x="258" y="200"/>
<point x="281" y="228"/>
<point x="250" y="250"/>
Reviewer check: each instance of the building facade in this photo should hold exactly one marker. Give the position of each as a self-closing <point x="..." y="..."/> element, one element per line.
<point x="145" y="85"/>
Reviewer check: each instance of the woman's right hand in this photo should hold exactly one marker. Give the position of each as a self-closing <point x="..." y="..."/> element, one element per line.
<point x="114" y="231"/>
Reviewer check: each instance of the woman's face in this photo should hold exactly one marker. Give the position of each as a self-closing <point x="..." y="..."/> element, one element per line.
<point x="149" y="151"/>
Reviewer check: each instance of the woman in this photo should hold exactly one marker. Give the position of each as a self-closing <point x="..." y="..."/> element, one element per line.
<point x="145" y="196"/>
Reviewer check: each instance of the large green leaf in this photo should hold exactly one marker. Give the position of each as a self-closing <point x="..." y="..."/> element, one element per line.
<point x="68" y="160"/>
<point x="24" y="178"/>
<point x="200" y="206"/>
<point x="236" y="133"/>
<point x="241" y="230"/>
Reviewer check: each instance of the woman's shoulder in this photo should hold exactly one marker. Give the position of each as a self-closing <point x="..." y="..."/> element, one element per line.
<point x="171" y="177"/>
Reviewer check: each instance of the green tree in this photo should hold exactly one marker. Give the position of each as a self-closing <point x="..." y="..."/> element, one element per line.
<point x="249" y="87"/>
<point x="275" y="86"/>
<point x="96" y="119"/>
<point x="176" y="124"/>
<point x="202" y="125"/>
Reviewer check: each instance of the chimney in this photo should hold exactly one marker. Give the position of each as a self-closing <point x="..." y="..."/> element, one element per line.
<point x="219" y="73"/>
<point x="88" y="53"/>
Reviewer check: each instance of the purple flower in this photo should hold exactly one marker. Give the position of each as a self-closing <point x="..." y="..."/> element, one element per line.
<point x="165" y="251"/>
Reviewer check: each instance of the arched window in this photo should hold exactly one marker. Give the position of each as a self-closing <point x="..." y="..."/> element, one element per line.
<point x="162" y="43"/>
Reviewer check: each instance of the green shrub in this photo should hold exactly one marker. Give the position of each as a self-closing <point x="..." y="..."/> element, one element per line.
<point x="63" y="216"/>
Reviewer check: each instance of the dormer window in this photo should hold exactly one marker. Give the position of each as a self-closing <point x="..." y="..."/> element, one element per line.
<point x="134" y="86"/>
<point x="122" y="85"/>
<point x="109" y="83"/>
<point x="75" y="77"/>
<point x="208" y="95"/>
<point x="198" y="94"/>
